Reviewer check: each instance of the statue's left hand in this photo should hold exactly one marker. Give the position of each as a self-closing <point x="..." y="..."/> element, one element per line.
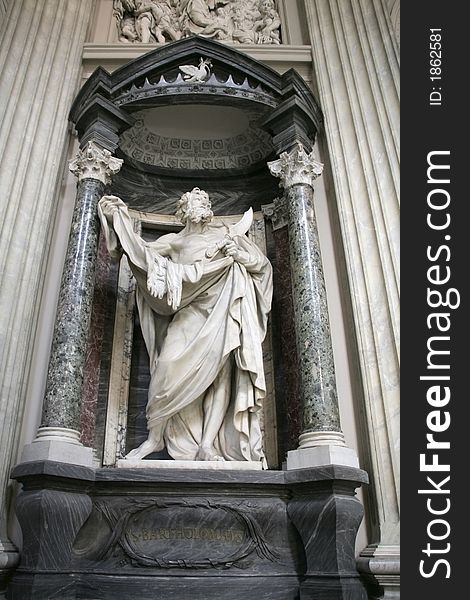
<point x="232" y="249"/>
<point x="111" y="205"/>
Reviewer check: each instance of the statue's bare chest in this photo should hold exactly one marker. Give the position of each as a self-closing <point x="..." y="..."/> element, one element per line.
<point x="187" y="249"/>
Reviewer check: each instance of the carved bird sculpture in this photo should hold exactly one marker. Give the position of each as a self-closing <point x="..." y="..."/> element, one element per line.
<point x="192" y="74"/>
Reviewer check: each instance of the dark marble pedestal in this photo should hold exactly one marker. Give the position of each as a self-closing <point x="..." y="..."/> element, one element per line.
<point x="173" y="534"/>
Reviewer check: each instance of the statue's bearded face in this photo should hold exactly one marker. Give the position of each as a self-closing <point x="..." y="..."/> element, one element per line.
<point x="195" y="206"/>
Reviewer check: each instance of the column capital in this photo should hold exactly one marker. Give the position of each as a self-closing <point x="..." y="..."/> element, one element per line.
<point x="296" y="166"/>
<point x="276" y="212"/>
<point x="93" y="162"/>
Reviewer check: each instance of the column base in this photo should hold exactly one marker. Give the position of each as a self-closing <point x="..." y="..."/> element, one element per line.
<point x="312" y="439"/>
<point x="381" y="566"/>
<point x="9" y="558"/>
<point x="304" y="458"/>
<point x="58" y="444"/>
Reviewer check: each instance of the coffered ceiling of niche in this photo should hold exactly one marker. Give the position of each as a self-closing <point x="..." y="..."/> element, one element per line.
<point x="196" y="137"/>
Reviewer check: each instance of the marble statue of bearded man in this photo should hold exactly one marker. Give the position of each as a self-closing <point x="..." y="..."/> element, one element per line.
<point x="203" y="296"/>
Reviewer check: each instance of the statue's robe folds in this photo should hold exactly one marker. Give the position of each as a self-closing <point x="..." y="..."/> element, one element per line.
<point x="211" y="344"/>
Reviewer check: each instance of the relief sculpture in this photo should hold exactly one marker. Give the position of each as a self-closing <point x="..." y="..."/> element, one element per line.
<point x="160" y="21"/>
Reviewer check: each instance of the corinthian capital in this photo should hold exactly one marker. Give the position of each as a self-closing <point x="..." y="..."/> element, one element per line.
<point x="296" y="166"/>
<point x="94" y="162"/>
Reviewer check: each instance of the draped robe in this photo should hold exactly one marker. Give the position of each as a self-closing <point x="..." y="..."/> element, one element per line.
<point x="205" y="343"/>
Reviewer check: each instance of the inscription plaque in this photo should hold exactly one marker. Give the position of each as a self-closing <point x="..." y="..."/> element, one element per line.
<point x="173" y="534"/>
<point x="188" y="534"/>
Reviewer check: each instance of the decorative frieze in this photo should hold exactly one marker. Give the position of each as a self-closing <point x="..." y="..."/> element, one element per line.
<point x="93" y="162"/>
<point x="196" y="81"/>
<point x="160" y="21"/>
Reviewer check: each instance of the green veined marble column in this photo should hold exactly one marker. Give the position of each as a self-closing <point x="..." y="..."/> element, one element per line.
<point x="60" y="422"/>
<point x="321" y="424"/>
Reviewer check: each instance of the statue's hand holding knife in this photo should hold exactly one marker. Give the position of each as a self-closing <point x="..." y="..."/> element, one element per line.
<point x="228" y="245"/>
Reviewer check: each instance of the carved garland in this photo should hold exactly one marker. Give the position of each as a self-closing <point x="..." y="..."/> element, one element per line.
<point x="118" y="522"/>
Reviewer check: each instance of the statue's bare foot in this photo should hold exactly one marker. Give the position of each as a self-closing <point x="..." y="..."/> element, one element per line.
<point x="208" y="453"/>
<point x="142" y="451"/>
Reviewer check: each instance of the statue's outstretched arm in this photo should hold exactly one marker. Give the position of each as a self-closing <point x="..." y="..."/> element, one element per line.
<point x="119" y="230"/>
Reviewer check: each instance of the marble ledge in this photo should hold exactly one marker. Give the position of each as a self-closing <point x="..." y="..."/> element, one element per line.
<point x="65" y="473"/>
<point x="50" y="468"/>
<point x="220" y="465"/>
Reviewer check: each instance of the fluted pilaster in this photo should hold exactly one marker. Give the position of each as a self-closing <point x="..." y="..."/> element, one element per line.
<point x="4" y="5"/>
<point x="40" y="58"/>
<point x="356" y="70"/>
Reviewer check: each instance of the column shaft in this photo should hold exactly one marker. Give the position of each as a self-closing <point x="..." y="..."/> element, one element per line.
<point x="58" y="437"/>
<point x="321" y="441"/>
<point x="65" y="375"/>
<point x="315" y="354"/>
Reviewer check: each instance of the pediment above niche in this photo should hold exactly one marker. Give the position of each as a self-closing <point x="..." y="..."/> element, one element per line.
<point x="196" y="137"/>
<point x="197" y="72"/>
<point x="207" y="77"/>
